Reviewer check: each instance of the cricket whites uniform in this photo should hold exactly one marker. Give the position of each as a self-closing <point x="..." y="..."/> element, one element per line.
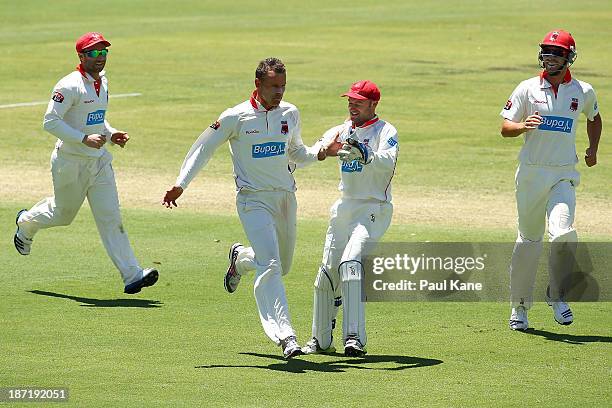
<point x="262" y="143"/>
<point x="546" y="176"/>
<point x="360" y="216"/>
<point x="78" y="108"/>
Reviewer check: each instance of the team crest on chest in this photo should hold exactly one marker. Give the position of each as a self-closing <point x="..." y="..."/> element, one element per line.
<point x="284" y="127"/>
<point x="574" y="105"/>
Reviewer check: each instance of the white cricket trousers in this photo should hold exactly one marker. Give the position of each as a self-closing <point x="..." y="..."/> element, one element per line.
<point x="269" y="221"/>
<point x="352" y="225"/>
<point x="542" y="192"/>
<point x="74" y="178"/>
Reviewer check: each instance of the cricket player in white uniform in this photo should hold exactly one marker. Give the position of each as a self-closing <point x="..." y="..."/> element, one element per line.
<point x="546" y="109"/>
<point x="264" y="134"/>
<point x="81" y="165"/>
<point x="368" y="155"/>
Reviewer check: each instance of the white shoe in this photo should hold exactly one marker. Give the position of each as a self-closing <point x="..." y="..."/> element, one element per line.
<point x="562" y="313"/>
<point x="232" y="277"/>
<point x="353" y="347"/>
<point x="23" y="245"/>
<point x="561" y="310"/>
<point x="518" y="318"/>
<point x="290" y="347"/>
<point x="149" y="278"/>
<point x="312" y="347"/>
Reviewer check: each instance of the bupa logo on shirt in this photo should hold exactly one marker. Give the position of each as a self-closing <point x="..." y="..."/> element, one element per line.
<point x="95" y="118"/>
<point x="351" y="167"/>
<point x="268" y="149"/>
<point x="556" y="124"/>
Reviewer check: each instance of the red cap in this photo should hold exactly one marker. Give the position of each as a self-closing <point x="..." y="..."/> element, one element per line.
<point x="559" y="38"/>
<point x="90" y="39"/>
<point x="364" y="90"/>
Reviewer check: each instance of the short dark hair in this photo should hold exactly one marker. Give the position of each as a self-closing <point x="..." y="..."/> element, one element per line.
<point x="269" y="64"/>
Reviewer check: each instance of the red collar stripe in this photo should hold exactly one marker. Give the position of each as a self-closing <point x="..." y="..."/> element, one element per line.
<point x="254" y="100"/>
<point x="81" y="70"/>
<point x="97" y="83"/>
<point x="368" y="123"/>
<point x="566" y="79"/>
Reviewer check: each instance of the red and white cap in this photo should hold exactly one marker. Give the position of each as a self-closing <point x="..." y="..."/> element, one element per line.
<point x="363" y="90"/>
<point x="90" y="39"/>
<point x="559" y="38"/>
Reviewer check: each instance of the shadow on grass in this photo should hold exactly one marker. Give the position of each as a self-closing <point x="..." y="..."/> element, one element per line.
<point x="569" y="338"/>
<point x="89" y="302"/>
<point x="302" y="364"/>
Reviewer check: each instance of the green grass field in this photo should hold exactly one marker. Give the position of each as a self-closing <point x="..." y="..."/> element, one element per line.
<point x="445" y="70"/>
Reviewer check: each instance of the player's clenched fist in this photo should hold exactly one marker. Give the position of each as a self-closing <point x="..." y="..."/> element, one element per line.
<point x="95" y="141"/>
<point x="533" y="121"/>
<point x="120" y="138"/>
<point x="590" y="157"/>
<point x="171" y="196"/>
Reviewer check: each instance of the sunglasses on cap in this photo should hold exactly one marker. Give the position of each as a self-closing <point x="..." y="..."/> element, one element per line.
<point x="95" y="53"/>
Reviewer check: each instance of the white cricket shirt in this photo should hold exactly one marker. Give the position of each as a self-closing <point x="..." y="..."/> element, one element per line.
<point x="262" y="142"/>
<point x="78" y="108"/>
<point x="372" y="180"/>
<point x="553" y="143"/>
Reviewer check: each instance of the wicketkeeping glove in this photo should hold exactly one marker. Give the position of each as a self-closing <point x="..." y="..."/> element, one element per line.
<point x="353" y="150"/>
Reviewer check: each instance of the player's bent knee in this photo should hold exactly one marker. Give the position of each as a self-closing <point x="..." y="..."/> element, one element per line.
<point x="270" y="272"/>
<point x="65" y="216"/>
<point x="350" y="271"/>
<point x="528" y="238"/>
<point x="323" y="281"/>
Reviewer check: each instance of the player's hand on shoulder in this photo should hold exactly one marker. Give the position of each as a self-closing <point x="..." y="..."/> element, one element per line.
<point x="120" y="138"/>
<point x="95" y="141"/>
<point x="171" y="196"/>
<point x="590" y="157"/>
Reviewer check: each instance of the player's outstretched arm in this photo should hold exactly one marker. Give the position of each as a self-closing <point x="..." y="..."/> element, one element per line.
<point x="200" y="153"/>
<point x="330" y="144"/>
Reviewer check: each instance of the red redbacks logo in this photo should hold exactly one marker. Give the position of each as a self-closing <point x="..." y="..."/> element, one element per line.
<point x="284" y="127"/>
<point x="554" y="35"/>
<point x="508" y="105"/>
<point x="215" y="125"/>
<point x="574" y="104"/>
<point x="58" y="97"/>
